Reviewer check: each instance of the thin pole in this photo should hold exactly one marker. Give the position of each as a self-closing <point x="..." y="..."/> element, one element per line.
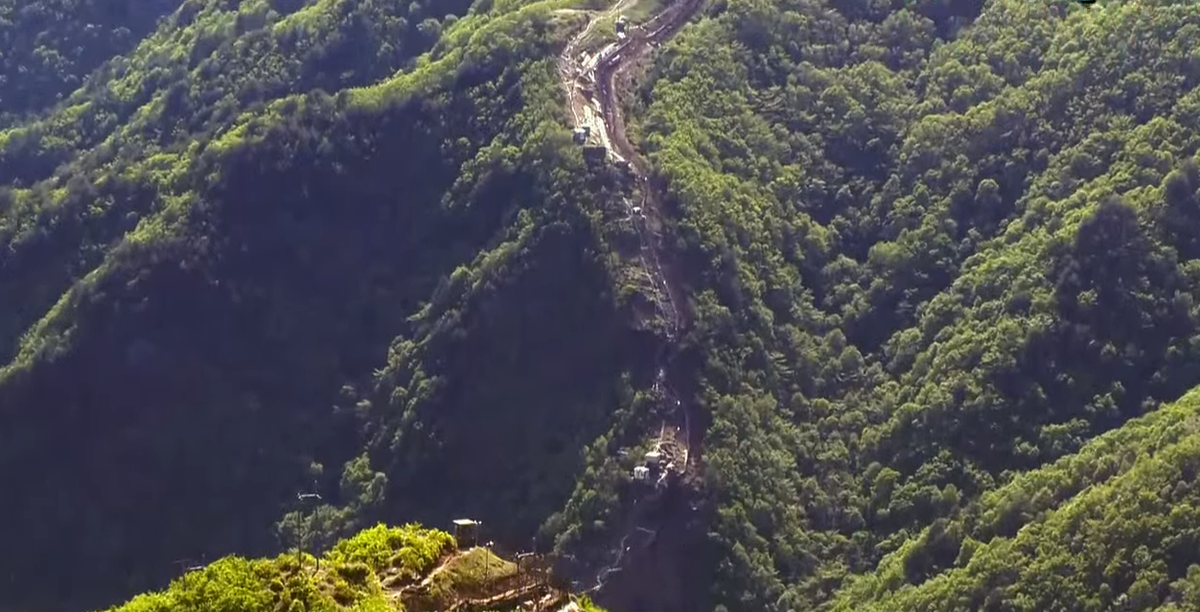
<point x="306" y="499"/>
<point x="487" y="566"/>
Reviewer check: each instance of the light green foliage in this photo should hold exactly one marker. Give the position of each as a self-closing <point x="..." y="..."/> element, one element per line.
<point x="50" y="47"/>
<point x="348" y="577"/>
<point x="475" y="572"/>
<point x="234" y="583"/>
<point x="410" y="549"/>
<point x="1109" y="526"/>
<point x="587" y="605"/>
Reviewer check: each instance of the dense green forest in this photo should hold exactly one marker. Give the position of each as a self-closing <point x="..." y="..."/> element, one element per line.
<point x="930" y="258"/>
<point x="943" y="259"/>
<point x="202" y="318"/>
<point x="51" y="47"/>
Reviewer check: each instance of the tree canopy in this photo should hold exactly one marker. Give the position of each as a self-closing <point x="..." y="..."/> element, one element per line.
<point x="942" y="257"/>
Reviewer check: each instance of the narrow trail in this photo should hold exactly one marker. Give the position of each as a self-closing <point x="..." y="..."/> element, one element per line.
<point x="530" y="588"/>
<point x="595" y="84"/>
<point x="441" y="567"/>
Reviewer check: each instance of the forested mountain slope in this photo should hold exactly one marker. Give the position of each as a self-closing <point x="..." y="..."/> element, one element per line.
<point x="197" y="301"/>
<point x="1115" y="522"/>
<point x="941" y="259"/>
<point x="923" y="267"/>
<point x="50" y="46"/>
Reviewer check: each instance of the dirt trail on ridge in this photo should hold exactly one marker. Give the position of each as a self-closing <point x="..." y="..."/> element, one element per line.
<point x="655" y="555"/>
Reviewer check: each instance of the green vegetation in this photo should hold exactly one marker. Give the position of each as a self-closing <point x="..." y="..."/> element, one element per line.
<point x="638" y="12"/>
<point x="50" y="47"/>
<point x="475" y="568"/>
<point x="348" y="578"/>
<point x="942" y="257"/>
<point x="642" y="11"/>
<point x="471" y="574"/>
<point x="369" y="572"/>
<point x="587" y="605"/>
<point x="1118" y="520"/>
<point x="932" y="248"/>
<point x="409" y="550"/>
<point x="332" y="291"/>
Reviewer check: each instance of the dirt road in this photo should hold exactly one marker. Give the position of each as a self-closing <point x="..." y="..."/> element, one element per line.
<point x="595" y="85"/>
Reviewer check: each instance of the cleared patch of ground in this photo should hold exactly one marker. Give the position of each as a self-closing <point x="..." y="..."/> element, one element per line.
<point x="605" y="30"/>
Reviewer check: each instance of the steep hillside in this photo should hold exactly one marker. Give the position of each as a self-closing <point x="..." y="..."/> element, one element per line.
<point x="50" y="46"/>
<point x="223" y="299"/>
<point x="1117" y="522"/>
<point x="920" y="268"/>
<point x="210" y="61"/>
<point x="904" y="285"/>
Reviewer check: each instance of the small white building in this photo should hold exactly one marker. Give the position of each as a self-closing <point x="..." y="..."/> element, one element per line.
<point x="641" y="473"/>
<point x="652" y="458"/>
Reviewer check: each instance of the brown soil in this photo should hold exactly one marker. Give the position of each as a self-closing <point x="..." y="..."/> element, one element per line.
<point x="663" y="533"/>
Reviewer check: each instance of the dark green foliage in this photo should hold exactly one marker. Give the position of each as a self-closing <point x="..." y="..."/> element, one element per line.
<point x="1111" y="525"/>
<point x="922" y="269"/>
<point x="943" y="259"/>
<point x="50" y="46"/>
<point x="221" y="299"/>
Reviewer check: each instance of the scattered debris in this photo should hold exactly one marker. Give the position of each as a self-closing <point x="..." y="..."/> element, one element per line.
<point x="594" y="84"/>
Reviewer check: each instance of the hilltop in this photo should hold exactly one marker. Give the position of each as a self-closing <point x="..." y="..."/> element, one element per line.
<point x="377" y="570"/>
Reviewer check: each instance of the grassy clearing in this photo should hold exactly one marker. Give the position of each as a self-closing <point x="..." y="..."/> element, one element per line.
<point x="476" y="569"/>
<point x="567" y="20"/>
<point x="471" y="573"/>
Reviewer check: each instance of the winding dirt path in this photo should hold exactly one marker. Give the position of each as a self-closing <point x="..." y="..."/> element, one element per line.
<point x="595" y="85"/>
